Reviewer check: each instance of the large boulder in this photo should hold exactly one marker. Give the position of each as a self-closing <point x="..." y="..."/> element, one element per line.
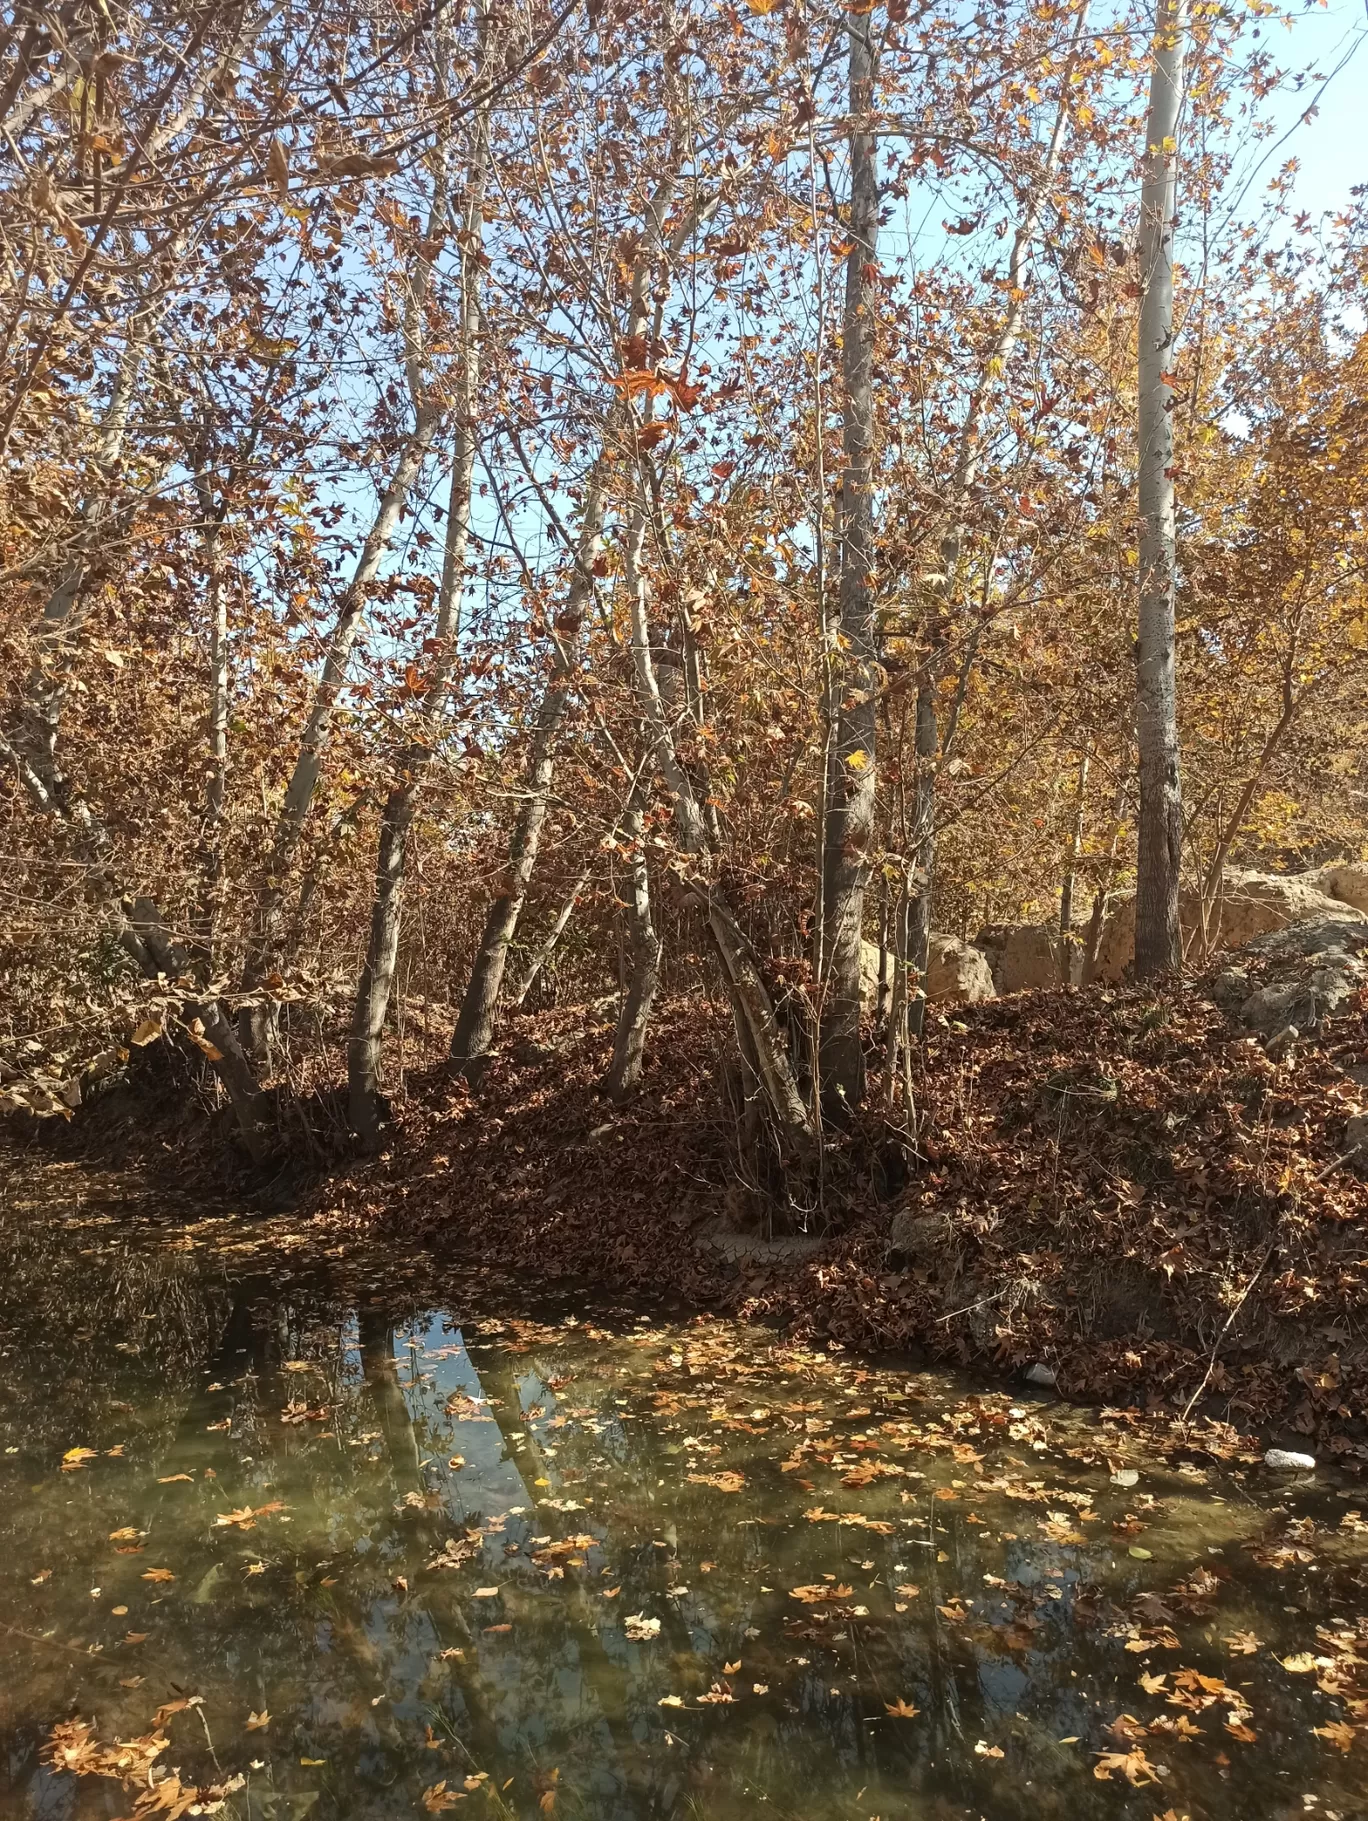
<point x="1347" y="882"/>
<point x="1289" y="982"/>
<point x="1032" y="959"/>
<point x="956" y="972"/>
<point x="1252" y="904"/>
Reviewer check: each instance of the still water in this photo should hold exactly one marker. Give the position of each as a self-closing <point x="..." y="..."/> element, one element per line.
<point x="344" y="1538"/>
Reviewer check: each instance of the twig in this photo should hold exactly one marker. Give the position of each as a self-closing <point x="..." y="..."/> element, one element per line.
<point x="1216" y="1347"/>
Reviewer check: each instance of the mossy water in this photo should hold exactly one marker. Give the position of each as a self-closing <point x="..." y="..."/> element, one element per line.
<point x="375" y="1541"/>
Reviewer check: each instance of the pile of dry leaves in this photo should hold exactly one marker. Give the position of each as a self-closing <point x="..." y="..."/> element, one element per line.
<point x="1112" y="1183"/>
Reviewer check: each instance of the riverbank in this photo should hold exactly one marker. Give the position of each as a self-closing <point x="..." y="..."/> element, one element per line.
<point x="1112" y="1187"/>
<point x="1109" y="1185"/>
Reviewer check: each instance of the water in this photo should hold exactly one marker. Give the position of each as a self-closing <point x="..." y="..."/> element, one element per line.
<point x="420" y="1547"/>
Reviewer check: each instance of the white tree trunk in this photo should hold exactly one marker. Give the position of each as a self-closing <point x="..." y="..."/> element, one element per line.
<point x="1158" y="944"/>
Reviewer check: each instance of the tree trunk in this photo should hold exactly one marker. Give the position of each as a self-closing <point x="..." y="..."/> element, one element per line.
<point x="923" y="857"/>
<point x="376" y="984"/>
<point x="629" y="1044"/>
<point x="749" y="995"/>
<point x="475" y="1023"/>
<point x="309" y="759"/>
<point x="1158" y="943"/>
<point x="550" y="940"/>
<point x="849" y="827"/>
<point x="1066" y="889"/>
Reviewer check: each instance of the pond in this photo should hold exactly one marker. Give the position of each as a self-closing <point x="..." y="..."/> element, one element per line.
<point x="348" y="1537"/>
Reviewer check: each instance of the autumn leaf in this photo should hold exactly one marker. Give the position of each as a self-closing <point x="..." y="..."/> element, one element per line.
<point x="1134" y="1766"/>
<point x="901" y="1709"/>
<point x="437" y="1798"/>
<point x="158" y="1574"/>
<point x="278" y="167"/>
<point x="258" y="1722"/>
<point x="1339" y="1733"/>
<point x="727" y="1481"/>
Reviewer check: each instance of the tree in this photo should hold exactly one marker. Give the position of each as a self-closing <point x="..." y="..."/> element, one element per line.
<point x="1158" y="944"/>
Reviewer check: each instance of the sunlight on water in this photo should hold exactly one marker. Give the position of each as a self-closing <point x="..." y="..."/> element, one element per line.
<point x="469" y="1554"/>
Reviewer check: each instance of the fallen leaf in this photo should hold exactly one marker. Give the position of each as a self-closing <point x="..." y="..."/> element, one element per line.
<point x="258" y="1722"/>
<point x="901" y="1709"/>
<point x="1134" y="1766"/>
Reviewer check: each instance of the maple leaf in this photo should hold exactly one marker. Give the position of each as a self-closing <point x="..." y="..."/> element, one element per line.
<point x="1338" y="1732"/>
<point x="437" y="1798"/>
<point x="726" y="1481"/>
<point x="901" y="1710"/>
<point x="1134" y="1766"/>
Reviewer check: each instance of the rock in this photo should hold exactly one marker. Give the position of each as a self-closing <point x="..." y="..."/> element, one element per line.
<point x="1287" y="1462"/>
<point x="1041" y="1375"/>
<point x="956" y="973"/>
<point x="1253" y="904"/>
<point x="1282" y="1043"/>
<point x="920" y="1238"/>
<point x="1313" y="971"/>
<point x="1230" y="988"/>
<point x="1347" y="883"/>
<point x="1032" y="958"/>
<point x="1356" y="1143"/>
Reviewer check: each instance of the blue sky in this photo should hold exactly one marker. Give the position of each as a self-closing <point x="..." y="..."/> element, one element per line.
<point x="1333" y="148"/>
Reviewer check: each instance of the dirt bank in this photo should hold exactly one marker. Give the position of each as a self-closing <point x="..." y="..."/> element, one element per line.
<point x="1110" y="1183"/>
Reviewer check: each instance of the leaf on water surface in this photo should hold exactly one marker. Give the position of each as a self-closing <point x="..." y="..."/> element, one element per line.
<point x="1141" y="1555"/>
<point x="1339" y="1733"/>
<point x="984" y="1750"/>
<point x="171" y="1479"/>
<point x="731" y="1669"/>
<point x="639" y="1628"/>
<point x="1242" y="1643"/>
<point x="1153" y="1684"/>
<point x="1134" y="1766"/>
<point x="901" y="1710"/>
<point x="158" y="1574"/>
<point x="496" y="1630"/>
<point x="670" y="1701"/>
<point x="127" y="1535"/>
<point x="759" y="1688"/>
<point x="1126" y="1729"/>
<point x="1303" y="1664"/>
<point x="717" y="1696"/>
<point x="246" y="1518"/>
<point x="726" y="1481"/>
<point x="258" y="1722"/>
<point x="486" y="1593"/>
<point x="77" y="1457"/>
<point x="816" y="1595"/>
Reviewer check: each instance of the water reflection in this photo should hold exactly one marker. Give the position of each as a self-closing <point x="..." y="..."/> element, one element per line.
<point x="487" y="1558"/>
